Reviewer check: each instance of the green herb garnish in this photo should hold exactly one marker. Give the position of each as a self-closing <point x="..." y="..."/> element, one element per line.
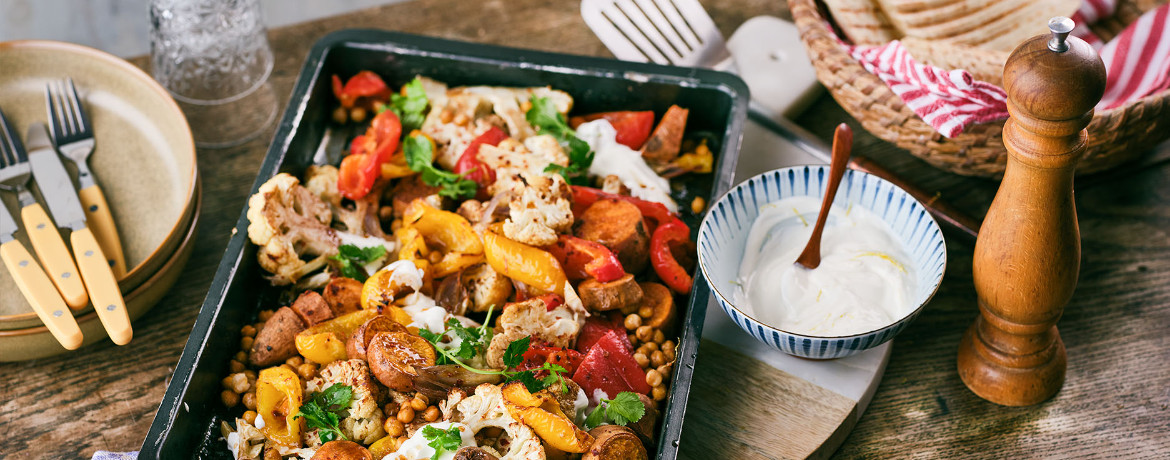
<point x="411" y="108"/>
<point x="350" y="259"/>
<point x="544" y="116"/>
<point x="621" y="410"/>
<point x="448" y="440"/>
<point x="420" y="156"/>
<point x="323" y="411"/>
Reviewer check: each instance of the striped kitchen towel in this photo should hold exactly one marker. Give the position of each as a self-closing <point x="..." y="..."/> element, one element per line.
<point x="1137" y="64"/>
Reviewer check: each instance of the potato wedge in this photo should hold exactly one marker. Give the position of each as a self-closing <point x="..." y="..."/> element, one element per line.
<point x="342" y="450"/>
<point x="612" y="442"/>
<point x="393" y="357"/>
<point x="614" y="295"/>
<point x="276" y="341"/>
<point x="355" y="346"/>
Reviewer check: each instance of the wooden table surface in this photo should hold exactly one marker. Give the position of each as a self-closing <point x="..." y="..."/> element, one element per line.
<point x="1115" y="402"/>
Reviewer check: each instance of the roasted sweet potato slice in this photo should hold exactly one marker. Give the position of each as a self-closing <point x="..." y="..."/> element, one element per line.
<point x="312" y="308"/>
<point x="344" y="295"/>
<point x="658" y="297"/>
<point x="664" y="144"/>
<point x="276" y="341"/>
<point x="612" y="442"/>
<point x="342" y="450"/>
<point x="614" y="295"/>
<point x="617" y="225"/>
<point x="355" y="345"/>
<point x="393" y="357"/>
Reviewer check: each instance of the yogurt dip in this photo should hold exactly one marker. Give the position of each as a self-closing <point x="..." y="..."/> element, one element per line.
<point x="864" y="281"/>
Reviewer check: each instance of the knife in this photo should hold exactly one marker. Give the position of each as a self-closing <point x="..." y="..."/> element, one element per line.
<point x="57" y="189"/>
<point x="36" y="287"/>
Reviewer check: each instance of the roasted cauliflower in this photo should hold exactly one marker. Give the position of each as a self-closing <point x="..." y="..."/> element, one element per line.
<point x="485" y="408"/>
<point x="557" y="327"/>
<point x="363" y="422"/>
<point x="289" y="223"/>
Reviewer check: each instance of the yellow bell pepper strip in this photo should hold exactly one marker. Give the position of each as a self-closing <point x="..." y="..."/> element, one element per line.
<point x="542" y="413"/>
<point x="396" y="167"/>
<point x="446" y="231"/>
<point x="534" y="267"/>
<point x="279" y="396"/>
<point x="325" y="342"/>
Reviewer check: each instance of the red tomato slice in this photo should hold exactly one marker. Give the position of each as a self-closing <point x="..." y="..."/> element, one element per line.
<point x="469" y="162"/>
<point x="367" y="155"/>
<point x="633" y="128"/>
<point x="365" y="84"/>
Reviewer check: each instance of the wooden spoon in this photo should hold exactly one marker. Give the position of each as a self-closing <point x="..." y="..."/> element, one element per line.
<point x="842" y="146"/>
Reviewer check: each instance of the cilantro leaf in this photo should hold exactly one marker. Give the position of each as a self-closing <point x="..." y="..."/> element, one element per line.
<point x="595" y="418"/>
<point x="528" y="378"/>
<point x="411" y="108"/>
<point x="554" y="376"/>
<point x="350" y="258"/>
<point x="323" y="409"/>
<point x="544" y="116"/>
<point x="419" y="154"/>
<point x="448" y="440"/>
<point x="625" y="408"/>
<point x="514" y="354"/>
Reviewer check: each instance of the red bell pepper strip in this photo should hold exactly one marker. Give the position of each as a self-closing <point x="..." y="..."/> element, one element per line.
<point x="551" y="301"/>
<point x="537" y="355"/>
<point x="469" y="163"/>
<point x="633" y="128"/>
<point x="363" y="166"/>
<point x="668" y="269"/>
<point x="365" y="84"/>
<point x="582" y="259"/>
<point x="583" y="197"/>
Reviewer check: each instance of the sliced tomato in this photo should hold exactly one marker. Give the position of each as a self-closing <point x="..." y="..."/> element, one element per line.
<point x="366" y="87"/>
<point x="610" y="368"/>
<point x="469" y="163"/>
<point x="633" y="128"/>
<point x="368" y="153"/>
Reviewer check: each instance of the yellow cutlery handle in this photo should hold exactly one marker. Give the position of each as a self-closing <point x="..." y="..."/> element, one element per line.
<point x="50" y="248"/>
<point x="41" y="294"/>
<point x="103" y="287"/>
<point x="98" y="218"/>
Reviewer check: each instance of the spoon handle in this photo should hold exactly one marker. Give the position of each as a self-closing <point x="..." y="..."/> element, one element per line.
<point x="842" y="146"/>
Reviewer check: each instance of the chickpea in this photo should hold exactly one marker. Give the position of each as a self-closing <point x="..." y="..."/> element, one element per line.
<point x="239" y="383"/>
<point x="235" y="366"/>
<point x="250" y="375"/>
<point x="434" y="257"/>
<point x="248" y="330"/>
<point x="227" y="381"/>
<point x="461" y="119"/>
<point x="230" y="398"/>
<point x="241" y="356"/>
<point x="250" y="400"/>
<point x="642" y="360"/>
<point x="659" y="337"/>
<point x="629" y="309"/>
<point x="419" y="403"/>
<point x="340" y="116"/>
<point x="698" y="204"/>
<point x="431" y="414"/>
<point x="665" y="369"/>
<point x="651" y="347"/>
<point x="659" y="392"/>
<point x="295" y="361"/>
<point x="644" y="333"/>
<point x="446" y="116"/>
<point x="525" y="106"/>
<point x="289" y="367"/>
<point x="250" y="417"/>
<point x="406" y="414"/>
<point x="657" y="358"/>
<point x="272" y="454"/>
<point x="668" y="345"/>
<point x="668" y="353"/>
<point x="307" y="370"/>
<point x="633" y="322"/>
<point x="394" y="428"/>
<point x="646" y="312"/>
<point x="246" y="343"/>
<point x="265" y="315"/>
<point x="386" y="213"/>
<point x="633" y="339"/>
<point x="357" y="114"/>
<point x="390" y="408"/>
<point x="653" y="378"/>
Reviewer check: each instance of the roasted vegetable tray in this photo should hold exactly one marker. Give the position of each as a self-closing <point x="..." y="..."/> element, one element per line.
<point x="186" y="424"/>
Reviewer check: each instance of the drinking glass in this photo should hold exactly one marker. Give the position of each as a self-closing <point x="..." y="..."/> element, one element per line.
<point x="213" y="57"/>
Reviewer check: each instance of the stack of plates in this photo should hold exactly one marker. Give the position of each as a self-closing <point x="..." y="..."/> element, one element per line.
<point x="144" y="162"/>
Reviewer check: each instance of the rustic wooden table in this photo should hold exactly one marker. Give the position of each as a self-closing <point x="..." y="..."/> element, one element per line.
<point x="1115" y="403"/>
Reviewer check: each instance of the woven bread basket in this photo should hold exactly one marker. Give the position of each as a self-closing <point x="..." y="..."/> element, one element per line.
<point x="1116" y="135"/>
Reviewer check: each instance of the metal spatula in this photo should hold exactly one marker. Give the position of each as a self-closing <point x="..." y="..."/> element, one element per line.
<point x="680" y="32"/>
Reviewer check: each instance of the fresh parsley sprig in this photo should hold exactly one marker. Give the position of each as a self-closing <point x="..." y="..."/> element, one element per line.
<point x="350" y="259"/>
<point x="472" y="341"/>
<point x="411" y="108"/>
<point x="323" y="411"/>
<point x="420" y="157"/>
<point x="623" y="409"/>
<point x="544" y="116"/>
<point x="513" y="356"/>
<point x="442" y="441"/>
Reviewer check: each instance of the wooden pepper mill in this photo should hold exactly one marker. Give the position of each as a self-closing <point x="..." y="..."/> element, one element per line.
<point x="1028" y="253"/>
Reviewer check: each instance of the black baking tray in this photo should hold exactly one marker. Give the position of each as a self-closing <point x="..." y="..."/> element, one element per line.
<point x="185" y="425"/>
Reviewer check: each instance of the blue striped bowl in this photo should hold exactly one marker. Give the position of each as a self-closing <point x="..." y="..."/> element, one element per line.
<point x="724" y="233"/>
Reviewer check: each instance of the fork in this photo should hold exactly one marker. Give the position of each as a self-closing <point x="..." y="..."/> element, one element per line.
<point x="680" y="32"/>
<point x="73" y="134"/>
<point x="46" y="240"/>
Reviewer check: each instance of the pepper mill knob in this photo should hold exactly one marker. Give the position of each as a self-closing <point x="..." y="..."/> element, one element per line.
<point x="1027" y="256"/>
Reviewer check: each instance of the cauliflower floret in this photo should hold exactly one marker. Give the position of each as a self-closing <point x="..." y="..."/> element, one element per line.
<point x="364" y="420"/>
<point x="485" y="409"/>
<point x="362" y="218"/>
<point x="540" y="211"/>
<point x="322" y="181"/>
<point x="289" y="222"/>
<point x="245" y="441"/>
<point x="558" y="327"/>
<point x="511" y="157"/>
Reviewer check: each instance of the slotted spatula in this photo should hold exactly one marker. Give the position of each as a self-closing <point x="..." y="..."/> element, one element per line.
<point x="680" y="32"/>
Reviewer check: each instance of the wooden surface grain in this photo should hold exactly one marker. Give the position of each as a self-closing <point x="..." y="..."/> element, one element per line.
<point x="1115" y="402"/>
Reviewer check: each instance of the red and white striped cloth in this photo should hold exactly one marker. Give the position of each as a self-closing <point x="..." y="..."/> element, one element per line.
<point x="1137" y="64"/>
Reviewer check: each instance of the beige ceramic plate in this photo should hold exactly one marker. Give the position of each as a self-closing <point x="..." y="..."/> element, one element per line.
<point x="36" y="342"/>
<point x="144" y="161"/>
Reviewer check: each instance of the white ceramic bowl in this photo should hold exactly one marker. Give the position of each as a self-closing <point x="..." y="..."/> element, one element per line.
<point x="724" y="232"/>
